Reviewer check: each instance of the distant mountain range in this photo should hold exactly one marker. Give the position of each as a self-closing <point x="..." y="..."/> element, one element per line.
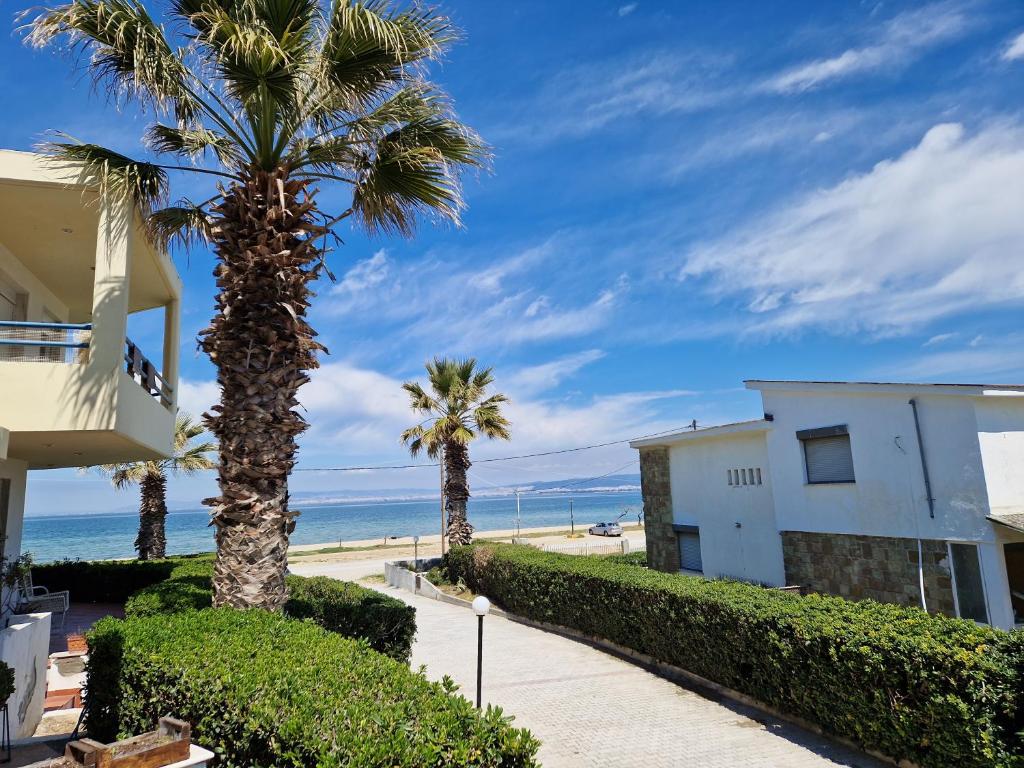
<point x="608" y="484"/>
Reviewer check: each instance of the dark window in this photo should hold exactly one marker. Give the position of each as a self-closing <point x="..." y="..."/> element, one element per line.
<point x="970" y="589"/>
<point x="689" y="551"/>
<point x="827" y="457"/>
<point x="1015" y="575"/>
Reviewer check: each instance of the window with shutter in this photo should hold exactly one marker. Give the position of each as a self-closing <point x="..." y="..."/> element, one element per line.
<point x="689" y="552"/>
<point x="827" y="457"/>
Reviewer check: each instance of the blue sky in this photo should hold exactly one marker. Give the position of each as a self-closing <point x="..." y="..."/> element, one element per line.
<point x="684" y="195"/>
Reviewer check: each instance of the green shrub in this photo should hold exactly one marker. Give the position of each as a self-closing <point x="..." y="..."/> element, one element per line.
<point x="930" y="689"/>
<point x="263" y="690"/>
<point x="186" y="587"/>
<point x="630" y="558"/>
<point x="106" y="581"/>
<point x="7" y="683"/>
<point x="387" y="624"/>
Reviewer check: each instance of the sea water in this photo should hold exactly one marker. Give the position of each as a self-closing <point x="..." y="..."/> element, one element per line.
<point x="99" y="536"/>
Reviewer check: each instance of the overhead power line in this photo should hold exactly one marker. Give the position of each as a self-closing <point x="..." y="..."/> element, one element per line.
<point x="488" y="461"/>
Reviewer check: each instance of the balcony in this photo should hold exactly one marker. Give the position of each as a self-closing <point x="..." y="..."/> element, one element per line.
<point x="76" y="271"/>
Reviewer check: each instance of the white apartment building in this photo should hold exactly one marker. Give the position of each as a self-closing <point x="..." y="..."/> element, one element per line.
<point x="74" y="390"/>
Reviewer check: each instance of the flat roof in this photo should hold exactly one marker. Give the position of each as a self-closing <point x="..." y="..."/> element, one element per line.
<point x="720" y="431"/>
<point x="885" y="386"/>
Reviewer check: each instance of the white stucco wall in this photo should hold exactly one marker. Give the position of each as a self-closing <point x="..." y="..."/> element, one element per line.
<point x="888" y="497"/>
<point x="738" y="532"/>
<point x="24" y="646"/>
<point x="1001" y="438"/>
<point x="17" y="472"/>
<point x="974" y="448"/>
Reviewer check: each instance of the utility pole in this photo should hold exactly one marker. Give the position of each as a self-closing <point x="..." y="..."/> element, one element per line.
<point x="519" y="520"/>
<point x="440" y="464"/>
<point x="572" y="521"/>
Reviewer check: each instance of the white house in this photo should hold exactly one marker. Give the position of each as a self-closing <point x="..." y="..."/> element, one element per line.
<point x="75" y="264"/>
<point x="905" y="493"/>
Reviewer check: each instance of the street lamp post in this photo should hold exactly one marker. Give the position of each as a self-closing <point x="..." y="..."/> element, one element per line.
<point x="416" y="553"/>
<point x="481" y="605"/>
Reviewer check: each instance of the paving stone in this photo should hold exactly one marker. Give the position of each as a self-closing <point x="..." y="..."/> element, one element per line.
<point x="592" y="709"/>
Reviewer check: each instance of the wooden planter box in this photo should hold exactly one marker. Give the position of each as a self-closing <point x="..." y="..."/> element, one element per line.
<point x="168" y="744"/>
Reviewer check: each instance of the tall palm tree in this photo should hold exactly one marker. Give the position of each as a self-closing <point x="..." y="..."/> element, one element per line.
<point x="151" y="477"/>
<point x="270" y="98"/>
<point x="457" y="410"/>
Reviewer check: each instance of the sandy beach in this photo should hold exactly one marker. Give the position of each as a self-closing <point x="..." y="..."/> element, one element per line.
<point x="430" y="546"/>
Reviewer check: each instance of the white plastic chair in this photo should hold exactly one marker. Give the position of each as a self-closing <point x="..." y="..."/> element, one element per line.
<point x="33" y="599"/>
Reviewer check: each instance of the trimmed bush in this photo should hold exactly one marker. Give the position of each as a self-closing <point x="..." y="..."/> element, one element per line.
<point x="630" y="558"/>
<point x="387" y="624"/>
<point x="186" y="588"/>
<point x="263" y="690"/>
<point x="930" y="689"/>
<point x="106" y="581"/>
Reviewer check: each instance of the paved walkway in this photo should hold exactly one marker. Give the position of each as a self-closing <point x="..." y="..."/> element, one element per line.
<point x="592" y="709"/>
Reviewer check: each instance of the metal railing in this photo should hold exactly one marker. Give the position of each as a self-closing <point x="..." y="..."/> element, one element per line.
<point x="142" y="370"/>
<point x="31" y="342"/>
<point x="620" y="547"/>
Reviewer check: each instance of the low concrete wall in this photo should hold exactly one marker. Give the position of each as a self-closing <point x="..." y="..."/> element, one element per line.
<point x="24" y="645"/>
<point x="398" y="573"/>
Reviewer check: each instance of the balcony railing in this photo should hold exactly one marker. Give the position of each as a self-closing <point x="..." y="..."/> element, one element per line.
<point x="146" y="374"/>
<point x="30" y="342"/>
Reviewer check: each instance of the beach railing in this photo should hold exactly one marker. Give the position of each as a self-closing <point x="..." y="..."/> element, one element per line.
<point x="620" y="547"/>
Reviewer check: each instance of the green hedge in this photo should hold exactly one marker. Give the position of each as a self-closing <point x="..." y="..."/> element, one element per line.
<point x="631" y="558"/>
<point x="930" y="689"/>
<point x="387" y="624"/>
<point x="263" y="690"/>
<point x="104" y="581"/>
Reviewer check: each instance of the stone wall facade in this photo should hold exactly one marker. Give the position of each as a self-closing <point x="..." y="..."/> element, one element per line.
<point x="656" y="487"/>
<point x="877" y="567"/>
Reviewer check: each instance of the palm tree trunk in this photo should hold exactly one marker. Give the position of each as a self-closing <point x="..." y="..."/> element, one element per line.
<point x="262" y="347"/>
<point x="456" y="493"/>
<point x="151" y="543"/>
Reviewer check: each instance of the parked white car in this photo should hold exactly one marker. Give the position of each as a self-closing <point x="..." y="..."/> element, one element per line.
<point x="605" y="529"/>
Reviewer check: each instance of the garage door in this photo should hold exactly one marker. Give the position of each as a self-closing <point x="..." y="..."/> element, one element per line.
<point x="689" y="552"/>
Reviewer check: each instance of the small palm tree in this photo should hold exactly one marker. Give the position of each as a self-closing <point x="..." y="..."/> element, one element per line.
<point x="271" y="98"/>
<point x="457" y="410"/>
<point x="151" y="477"/>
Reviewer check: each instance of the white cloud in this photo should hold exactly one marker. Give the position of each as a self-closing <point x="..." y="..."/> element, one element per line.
<point x="899" y="41"/>
<point x="796" y="131"/>
<point x="590" y="97"/>
<point x="196" y="397"/>
<point x="365" y="275"/>
<point x="934" y="232"/>
<point x="357" y="414"/>
<point x="1015" y="50"/>
<point x="628" y="8"/>
<point x="939" y="338"/>
<point x="455" y="305"/>
<point x="540" y="378"/>
<point x="1000" y="361"/>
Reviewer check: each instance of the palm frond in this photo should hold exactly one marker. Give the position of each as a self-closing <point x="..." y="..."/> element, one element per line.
<point x="414" y="171"/>
<point x="193" y="143"/>
<point x="459" y="408"/>
<point x="144" y="184"/>
<point x="130" y="53"/>
<point x="368" y="47"/>
<point x="185" y="224"/>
